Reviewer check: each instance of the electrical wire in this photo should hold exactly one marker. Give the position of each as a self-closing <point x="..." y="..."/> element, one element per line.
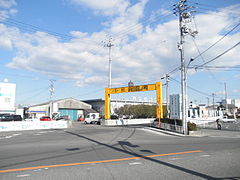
<point x="138" y="27"/>
<point x="193" y="89"/>
<point x="43" y="90"/>
<point x="211" y="73"/>
<point x="200" y="54"/>
<point x="227" y="68"/>
<point x="33" y="28"/>
<point x="196" y="67"/>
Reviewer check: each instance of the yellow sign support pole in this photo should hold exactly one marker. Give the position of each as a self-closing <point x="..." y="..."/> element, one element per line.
<point x="149" y="87"/>
<point x="107" y="104"/>
<point x="159" y="108"/>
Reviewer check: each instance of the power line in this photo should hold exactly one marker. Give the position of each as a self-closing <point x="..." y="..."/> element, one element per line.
<point x="205" y="61"/>
<point x="218" y="56"/>
<point x="225" y="68"/>
<point x="121" y="35"/>
<point x="33" y="28"/>
<point x="200" y="92"/>
<point x="200" y="54"/>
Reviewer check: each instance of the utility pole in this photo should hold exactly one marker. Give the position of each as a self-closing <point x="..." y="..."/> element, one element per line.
<point x="213" y="104"/>
<point x="167" y="80"/>
<point x="109" y="46"/>
<point x="182" y="10"/>
<point x="226" y="106"/>
<point x="51" y="90"/>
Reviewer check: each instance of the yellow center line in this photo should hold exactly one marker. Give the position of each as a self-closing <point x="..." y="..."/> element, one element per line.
<point x="95" y="162"/>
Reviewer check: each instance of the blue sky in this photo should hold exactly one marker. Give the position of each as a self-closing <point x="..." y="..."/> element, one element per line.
<point x="63" y="40"/>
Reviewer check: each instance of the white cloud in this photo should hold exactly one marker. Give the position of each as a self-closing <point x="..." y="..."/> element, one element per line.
<point x="7" y="3"/>
<point x="6" y="9"/>
<point x="130" y="18"/>
<point x="236" y="91"/>
<point x="152" y="53"/>
<point x="7" y="36"/>
<point x="104" y="7"/>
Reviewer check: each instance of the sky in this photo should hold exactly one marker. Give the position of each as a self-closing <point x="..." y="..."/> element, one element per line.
<point x="64" y="42"/>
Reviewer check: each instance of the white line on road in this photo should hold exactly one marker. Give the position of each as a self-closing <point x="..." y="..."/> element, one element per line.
<point x="7" y="137"/>
<point x="37" y="170"/>
<point x="42" y="132"/>
<point x="134" y="163"/>
<point x="23" y="175"/>
<point x="174" y="159"/>
<point x="16" y="134"/>
<point x="205" y="155"/>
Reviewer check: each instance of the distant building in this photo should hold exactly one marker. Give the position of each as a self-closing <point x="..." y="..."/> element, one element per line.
<point x="99" y="104"/>
<point x="69" y="107"/>
<point x="231" y="105"/>
<point x="236" y="102"/>
<point x="7" y="97"/>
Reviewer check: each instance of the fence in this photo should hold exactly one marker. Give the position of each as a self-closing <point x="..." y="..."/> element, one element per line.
<point x="170" y="127"/>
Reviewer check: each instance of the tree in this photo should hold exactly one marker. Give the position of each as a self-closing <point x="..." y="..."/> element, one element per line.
<point x="136" y="111"/>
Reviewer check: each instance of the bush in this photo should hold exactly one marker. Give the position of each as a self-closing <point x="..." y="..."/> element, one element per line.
<point x="172" y="121"/>
<point x="192" y="126"/>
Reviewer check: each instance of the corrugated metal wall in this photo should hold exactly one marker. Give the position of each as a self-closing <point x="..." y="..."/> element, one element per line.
<point x="71" y="113"/>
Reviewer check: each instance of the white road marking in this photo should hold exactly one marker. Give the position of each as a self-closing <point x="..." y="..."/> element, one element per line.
<point x="37" y="134"/>
<point x="7" y="137"/>
<point x="205" y="155"/>
<point x="23" y="175"/>
<point x="37" y="170"/>
<point x="174" y="159"/>
<point x="16" y="134"/>
<point x="134" y="163"/>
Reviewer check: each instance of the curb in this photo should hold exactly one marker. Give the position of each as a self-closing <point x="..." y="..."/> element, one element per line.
<point x="165" y="132"/>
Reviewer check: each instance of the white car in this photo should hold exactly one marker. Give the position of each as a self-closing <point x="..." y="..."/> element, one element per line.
<point x="226" y="119"/>
<point x="92" y="118"/>
<point x="32" y="119"/>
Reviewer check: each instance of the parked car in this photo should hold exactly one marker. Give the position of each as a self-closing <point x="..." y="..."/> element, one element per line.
<point x="45" y="118"/>
<point x="2" y="116"/>
<point x="11" y="117"/>
<point x="32" y="119"/>
<point x="81" y="119"/>
<point x="92" y="118"/>
<point x="227" y="119"/>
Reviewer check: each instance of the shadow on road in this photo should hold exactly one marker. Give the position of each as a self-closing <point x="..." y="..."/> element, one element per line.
<point x="122" y="143"/>
<point x="126" y="147"/>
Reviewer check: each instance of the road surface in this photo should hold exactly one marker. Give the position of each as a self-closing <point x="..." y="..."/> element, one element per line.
<point x="96" y="152"/>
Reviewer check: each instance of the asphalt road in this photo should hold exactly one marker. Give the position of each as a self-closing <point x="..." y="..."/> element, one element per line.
<point x="96" y="152"/>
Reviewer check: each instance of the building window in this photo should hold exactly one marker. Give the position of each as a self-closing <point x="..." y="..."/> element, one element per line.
<point x="7" y="100"/>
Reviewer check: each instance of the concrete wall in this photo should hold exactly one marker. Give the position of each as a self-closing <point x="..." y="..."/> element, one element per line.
<point x="121" y="122"/>
<point x="24" y="125"/>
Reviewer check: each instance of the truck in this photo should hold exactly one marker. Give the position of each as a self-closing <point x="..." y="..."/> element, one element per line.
<point x="92" y="118"/>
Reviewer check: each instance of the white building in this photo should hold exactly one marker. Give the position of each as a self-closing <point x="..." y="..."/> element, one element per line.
<point x="7" y="97"/>
<point x="236" y="102"/>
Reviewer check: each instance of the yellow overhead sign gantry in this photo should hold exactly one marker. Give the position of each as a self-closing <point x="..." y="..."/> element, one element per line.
<point x="149" y="87"/>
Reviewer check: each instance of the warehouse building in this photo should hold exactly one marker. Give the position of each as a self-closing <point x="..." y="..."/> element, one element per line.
<point x="68" y="107"/>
